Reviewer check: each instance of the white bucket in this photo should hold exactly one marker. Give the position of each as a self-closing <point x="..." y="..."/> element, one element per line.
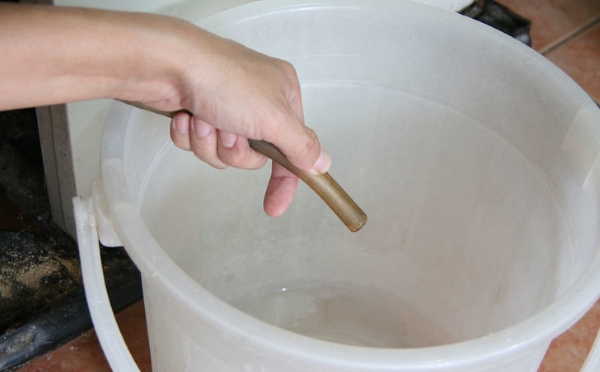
<point x="474" y="157"/>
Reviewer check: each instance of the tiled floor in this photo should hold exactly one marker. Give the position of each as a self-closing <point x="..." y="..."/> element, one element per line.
<point x="568" y="33"/>
<point x="555" y="21"/>
<point x="565" y="31"/>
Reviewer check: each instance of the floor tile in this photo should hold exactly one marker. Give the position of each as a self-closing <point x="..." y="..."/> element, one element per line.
<point x="580" y="58"/>
<point x="554" y="20"/>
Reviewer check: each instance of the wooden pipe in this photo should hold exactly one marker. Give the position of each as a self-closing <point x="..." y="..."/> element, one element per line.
<point x="323" y="184"/>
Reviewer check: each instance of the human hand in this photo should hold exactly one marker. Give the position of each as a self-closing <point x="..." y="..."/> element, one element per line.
<point x="247" y="95"/>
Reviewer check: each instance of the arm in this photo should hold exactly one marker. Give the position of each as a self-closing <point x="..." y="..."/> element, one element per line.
<point x="58" y="54"/>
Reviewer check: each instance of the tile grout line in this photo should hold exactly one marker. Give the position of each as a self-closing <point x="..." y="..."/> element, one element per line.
<point x="570" y="36"/>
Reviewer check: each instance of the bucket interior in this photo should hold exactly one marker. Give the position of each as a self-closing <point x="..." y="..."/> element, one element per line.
<point x="457" y="143"/>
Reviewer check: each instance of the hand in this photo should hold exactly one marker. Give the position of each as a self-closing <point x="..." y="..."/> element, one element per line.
<point x="234" y="93"/>
<point x="247" y="95"/>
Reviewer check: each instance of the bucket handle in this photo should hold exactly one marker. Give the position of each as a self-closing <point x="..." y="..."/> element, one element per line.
<point x="105" y="324"/>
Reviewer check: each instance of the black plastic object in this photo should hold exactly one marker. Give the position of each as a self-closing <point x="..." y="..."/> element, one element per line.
<point x="501" y="18"/>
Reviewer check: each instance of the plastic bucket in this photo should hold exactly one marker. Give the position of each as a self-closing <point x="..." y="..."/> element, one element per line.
<point x="474" y="157"/>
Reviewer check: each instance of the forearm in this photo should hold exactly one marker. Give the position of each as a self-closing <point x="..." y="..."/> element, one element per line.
<point x="55" y="54"/>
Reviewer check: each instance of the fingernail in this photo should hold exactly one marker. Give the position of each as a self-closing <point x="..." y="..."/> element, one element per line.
<point x="322" y="164"/>
<point x="227" y="139"/>
<point x="201" y="128"/>
<point x="181" y="125"/>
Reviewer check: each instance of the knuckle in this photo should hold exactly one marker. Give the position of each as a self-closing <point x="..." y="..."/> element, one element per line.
<point x="310" y="150"/>
<point x="288" y="68"/>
